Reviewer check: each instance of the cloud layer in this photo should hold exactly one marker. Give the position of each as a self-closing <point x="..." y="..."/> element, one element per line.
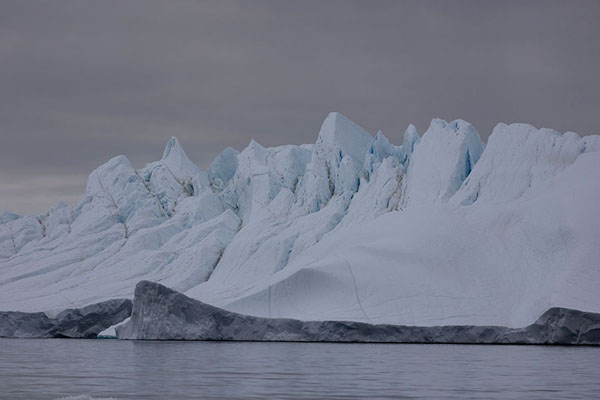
<point x="84" y="81"/>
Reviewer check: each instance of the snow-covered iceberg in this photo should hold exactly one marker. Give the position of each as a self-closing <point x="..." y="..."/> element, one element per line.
<point x="441" y="230"/>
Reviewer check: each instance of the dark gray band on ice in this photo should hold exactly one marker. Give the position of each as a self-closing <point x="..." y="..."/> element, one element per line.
<point x="160" y="313"/>
<point x="85" y="322"/>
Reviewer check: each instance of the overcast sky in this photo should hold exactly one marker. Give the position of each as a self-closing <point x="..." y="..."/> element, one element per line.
<point x="83" y="81"/>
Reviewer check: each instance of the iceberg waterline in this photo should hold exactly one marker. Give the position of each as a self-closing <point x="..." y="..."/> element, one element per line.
<point x="86" y="322"/>
<point x="160" y="313"/>
<point x="442" y="230"/>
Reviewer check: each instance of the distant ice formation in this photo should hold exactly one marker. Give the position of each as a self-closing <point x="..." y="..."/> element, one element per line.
<point x="443" y="230"/>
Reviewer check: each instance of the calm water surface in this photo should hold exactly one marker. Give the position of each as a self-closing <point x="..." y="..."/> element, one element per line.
<point x="84" y="369"/>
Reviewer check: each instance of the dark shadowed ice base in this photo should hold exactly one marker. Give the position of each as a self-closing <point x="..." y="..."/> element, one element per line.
<point x="85" y="322"/>
<point x="160" y="313"/>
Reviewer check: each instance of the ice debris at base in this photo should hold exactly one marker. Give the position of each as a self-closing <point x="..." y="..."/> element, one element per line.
<point x="442" y="230"/>
<point x="86" y="322"/>
<point x="111" y="331"/>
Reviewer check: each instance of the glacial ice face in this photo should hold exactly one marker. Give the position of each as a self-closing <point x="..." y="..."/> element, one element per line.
<point x="439" y="230"/>
<point x="519" y="157"/>
<point x="380" y="149"/>
<point x="411" y="138"/>
<point x="283" y="218"/>
<point x="116" y="195"/>
<point x="223" y="169"/>
<point x="333" y="169"/>
<point x="260" y="176"/>
<point x="173" y="178"/>
<point x="177" y="161"/>
<point x="440" y="264"/>
<point x="441" y="161"/>
<point x="380" y="184"/>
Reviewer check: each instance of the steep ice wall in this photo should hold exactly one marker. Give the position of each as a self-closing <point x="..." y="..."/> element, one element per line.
<point x="380" y="149"/>
<point x="441" y="161"/>
<point x="518" y="157"/>
<point x="18" y="233"/>
<point x="261" y="175"/>
<point x="289" y="198"/>
<point x="336" y="160"/>
<point x="173" y="178"/>
<point x="117" y="195"/>
<point x="411" y="138"/>
<point x="380" y="181"/>
<point x="171" y="222"/>
<point x="223" y="169"/>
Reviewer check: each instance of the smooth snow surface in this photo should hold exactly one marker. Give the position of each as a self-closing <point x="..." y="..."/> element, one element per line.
<point x="441" y="230"/>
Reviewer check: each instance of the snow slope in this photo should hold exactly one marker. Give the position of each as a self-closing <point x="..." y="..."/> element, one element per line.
<point x="441" y="230"/>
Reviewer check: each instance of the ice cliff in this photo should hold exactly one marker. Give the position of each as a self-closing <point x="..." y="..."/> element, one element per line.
<point x="440" y="230"/>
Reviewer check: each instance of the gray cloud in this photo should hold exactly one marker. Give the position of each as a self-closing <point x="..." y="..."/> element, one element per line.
<point x="83" y="81"/>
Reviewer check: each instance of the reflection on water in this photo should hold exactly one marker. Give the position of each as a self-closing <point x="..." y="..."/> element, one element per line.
<point x="92" y="369"/>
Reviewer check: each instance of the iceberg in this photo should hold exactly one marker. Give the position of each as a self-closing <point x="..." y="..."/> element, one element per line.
<point x="440" y="230"/>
